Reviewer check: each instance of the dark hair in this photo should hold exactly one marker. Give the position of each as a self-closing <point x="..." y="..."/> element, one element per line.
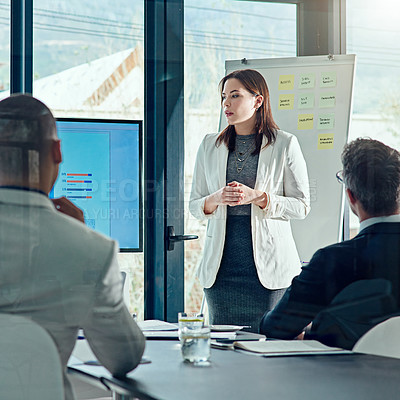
<point x="371" y="171"/>
<point x="255" y="84"/>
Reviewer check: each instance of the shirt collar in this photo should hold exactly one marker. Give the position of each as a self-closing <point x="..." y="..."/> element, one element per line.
<point x="26" y="188"/>
<point x="22" y="197"/>
<point x="376" y="220"/>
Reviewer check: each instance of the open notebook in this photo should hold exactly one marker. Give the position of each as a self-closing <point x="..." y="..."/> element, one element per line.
<point x="288" y="348"/>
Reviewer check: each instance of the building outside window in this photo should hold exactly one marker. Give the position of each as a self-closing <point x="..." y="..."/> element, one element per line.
<point x="89" y="63"/>
<point x="4" y="45"/>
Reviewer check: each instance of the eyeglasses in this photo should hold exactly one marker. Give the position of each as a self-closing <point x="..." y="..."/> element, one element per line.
<point x="339" y="176"/>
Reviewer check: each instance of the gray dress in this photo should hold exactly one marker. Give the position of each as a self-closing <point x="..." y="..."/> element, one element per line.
<point x="237" y="296"/>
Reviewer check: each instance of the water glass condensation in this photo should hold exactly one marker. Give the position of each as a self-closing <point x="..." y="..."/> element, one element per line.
<point x="195" y="345"/>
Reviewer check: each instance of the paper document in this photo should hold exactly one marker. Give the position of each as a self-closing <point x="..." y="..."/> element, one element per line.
<point x="174" y="335"/>
<point x="154" y="328"/>
<point x="156" y="325"/>
<point x="288" y="347"/>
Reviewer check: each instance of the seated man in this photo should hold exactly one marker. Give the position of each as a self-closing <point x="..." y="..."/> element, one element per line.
<point x="53" y="269"/>
<point x="371" y="175"/>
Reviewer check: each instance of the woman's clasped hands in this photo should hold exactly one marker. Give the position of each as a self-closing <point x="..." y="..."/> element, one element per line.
<point x="230" y="195"/>
<point x="234" y="194"/>
<point x="247" y="195"/>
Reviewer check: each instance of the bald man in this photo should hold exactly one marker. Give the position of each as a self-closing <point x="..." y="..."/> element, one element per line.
<point x="53" y="269"/>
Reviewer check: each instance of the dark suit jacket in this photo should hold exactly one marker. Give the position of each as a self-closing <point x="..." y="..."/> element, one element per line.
<point x="373" y="253"/>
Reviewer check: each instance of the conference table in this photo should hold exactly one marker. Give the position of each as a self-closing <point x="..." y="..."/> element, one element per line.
<point x="232" y="374"/>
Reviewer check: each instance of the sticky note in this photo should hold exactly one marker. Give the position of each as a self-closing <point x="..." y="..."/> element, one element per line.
<point x="306" y="101"/>
<point x="286" y="101"/>
<point x="327" y="100"/>
<point x="325" y="141"/>
<point x="306" y="81"/>
<point x="305" y="121"/>
<point x="328" y="79"/>
<point x="286" y="82"/>
<point x="326" y="121"/>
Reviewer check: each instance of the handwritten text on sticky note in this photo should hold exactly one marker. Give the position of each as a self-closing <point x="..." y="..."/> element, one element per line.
<point x="306" y="101"/>
<point x="307" y="81"/>
<point x="286" y="101"/>
<point x="328" y="79"/>
<point x="305" y="121"/>
<point x="327" y="100"/>
<point x="326" y="121"/>
<point x="325" y="141"/>
<point x="286" y="82"/>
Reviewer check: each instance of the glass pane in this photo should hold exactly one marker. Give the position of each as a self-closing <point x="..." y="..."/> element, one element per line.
<point x="373" y="35"/>
<point x="88" y="62"/>
<point x="4" y="47"/>
<point x="216" y="31"/>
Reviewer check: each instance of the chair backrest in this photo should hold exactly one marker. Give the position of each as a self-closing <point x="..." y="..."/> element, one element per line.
<point x="382" y="340"/>
<point x="30" y="366"/>
<point x="125" y="288"/>
<point x="355" y="310"/>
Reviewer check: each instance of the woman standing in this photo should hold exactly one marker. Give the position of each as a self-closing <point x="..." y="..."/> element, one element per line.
<point x="249" y="181"/>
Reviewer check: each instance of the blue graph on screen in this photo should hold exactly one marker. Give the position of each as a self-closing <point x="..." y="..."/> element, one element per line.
<point x="100" y="173"/>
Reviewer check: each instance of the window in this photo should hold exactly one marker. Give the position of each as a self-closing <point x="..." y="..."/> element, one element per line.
<point x="374" y="36"/>
<point x="88" y="62"/>
<point x="5" y="45"/>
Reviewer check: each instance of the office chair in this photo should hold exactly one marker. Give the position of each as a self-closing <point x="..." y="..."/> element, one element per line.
<point x="30" y="366"/>
<point x="125" y="288"/>
<point x="354" y="311"/>
<point x="382" y="340"/>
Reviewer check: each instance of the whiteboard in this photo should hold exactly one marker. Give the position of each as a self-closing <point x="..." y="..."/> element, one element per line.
<point x="311" y="98"/>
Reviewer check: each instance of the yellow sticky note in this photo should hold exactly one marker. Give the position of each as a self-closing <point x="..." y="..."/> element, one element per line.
<point x="286" y="101"/>
<point x="328" y="79"/>
<point x="307" y="81"/>
<point x="306" y="101"/>
<point x="325" y="141"/>
<point x="286" y="82"/>
<point x="305" y="121"/>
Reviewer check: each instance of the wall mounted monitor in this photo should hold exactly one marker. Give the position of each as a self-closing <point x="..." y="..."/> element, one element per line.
<point x="101" y="173"/>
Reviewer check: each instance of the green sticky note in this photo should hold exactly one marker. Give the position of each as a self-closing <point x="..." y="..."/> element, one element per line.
<point x="328" y="79"/>
<point x="307" y="81"/>
<point x="306" y="101"/>
<point x="326" y="121"/>
<point x="327" y="100"/>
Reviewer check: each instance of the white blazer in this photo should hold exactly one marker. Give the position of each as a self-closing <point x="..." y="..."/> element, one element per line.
<point x="282" y="173"/>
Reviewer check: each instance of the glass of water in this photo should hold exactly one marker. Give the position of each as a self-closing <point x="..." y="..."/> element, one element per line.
<point x="189" y="321"/>
<point x="195" y="345"/>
